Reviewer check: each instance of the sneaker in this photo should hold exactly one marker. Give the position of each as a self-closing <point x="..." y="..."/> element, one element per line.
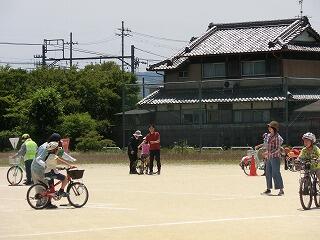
<point x="266" y="192"/>
<point x="150" y="173"/>
<point x="62" y="193"/>
<point x="281" y="192"/>
<point x="51" y="206"/>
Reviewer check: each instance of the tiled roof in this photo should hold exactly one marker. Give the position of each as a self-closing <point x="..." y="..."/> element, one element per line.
<point x="164" y="96"/>
<point x="247" y="37"/>
<point x="306" y="94"/>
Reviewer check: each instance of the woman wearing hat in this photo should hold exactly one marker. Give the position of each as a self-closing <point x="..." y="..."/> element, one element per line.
<point x="133" y="144"/>
<point x="274" y="141"/>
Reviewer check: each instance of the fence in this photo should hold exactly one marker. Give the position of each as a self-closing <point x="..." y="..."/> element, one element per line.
<point x="213" y="114"/>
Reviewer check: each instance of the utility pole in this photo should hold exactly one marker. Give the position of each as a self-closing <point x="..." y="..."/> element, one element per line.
<point x="286" y="109"/>
<point x="124" y="33"/>
<point x="301" y="8"/>
<point x="43" y="62"/>
<point x="132" y="59"/>
<point x="70" y="50"/>
<point x="71" y="43"/>
<point x="143" y="89"/>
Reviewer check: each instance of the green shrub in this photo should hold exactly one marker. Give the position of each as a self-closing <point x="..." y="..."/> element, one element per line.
<point x="92" y="141"/>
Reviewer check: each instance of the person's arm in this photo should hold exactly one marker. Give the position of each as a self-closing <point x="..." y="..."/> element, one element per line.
<point x="22" y="151"/>
<point x="64" y="162"/>
<point x="156" y="141"/>
<point x="140" y="145"/>
<point x="130" y="147"/>
<point x="258" y="146"/>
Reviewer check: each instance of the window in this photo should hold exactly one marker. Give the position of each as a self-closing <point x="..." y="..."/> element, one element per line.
<point x="183" y="74"/>
<point x="247" y="116"/>
<point x="253" y="68"/>
<point x="170" y="107"/>
<point x="237" y="116"/>
<point x="187" y="118"/>
<point x="226" y="116"/>
<point x="258" y="116"/>
<point x="213" y="116"/>
<point x="212" y="70"/>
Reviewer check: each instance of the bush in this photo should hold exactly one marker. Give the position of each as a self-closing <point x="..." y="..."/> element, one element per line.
<point x="92" y="141"/>
<point x="77" y="125"/>
<point x="5" y="144"/>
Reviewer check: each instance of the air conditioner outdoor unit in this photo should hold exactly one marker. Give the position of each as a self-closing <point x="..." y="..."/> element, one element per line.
<point x="228" y="84"/>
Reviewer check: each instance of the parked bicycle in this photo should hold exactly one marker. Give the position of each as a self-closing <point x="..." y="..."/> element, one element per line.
<point x="257" y="155"/>
<point x="290" y="158"/>
<point x="39" y="194"/>
<point x="15" y="172"/>
<point x="309" y="185"/>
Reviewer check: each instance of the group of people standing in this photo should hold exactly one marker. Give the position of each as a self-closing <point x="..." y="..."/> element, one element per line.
<point x="272" y="142"/>
<point x="150" y="150"/>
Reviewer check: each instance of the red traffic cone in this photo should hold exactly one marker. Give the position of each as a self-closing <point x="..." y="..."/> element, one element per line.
<point x="253" y="169"/>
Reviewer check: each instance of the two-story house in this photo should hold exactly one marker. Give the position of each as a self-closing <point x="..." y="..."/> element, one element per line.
<point x="226" y="85"/>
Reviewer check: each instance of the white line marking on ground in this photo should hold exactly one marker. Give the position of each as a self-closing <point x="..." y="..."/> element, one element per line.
<point x="107" y="206"/>
<point x="13" y="199"/>
<point x="168" y="224"/>
<point x="171" y="193"/>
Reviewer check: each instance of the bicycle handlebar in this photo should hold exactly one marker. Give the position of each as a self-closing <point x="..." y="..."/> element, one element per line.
<point x="65" y="168"/>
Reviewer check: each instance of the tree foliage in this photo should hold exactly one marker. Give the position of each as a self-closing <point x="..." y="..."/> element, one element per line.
<point x="74" y="102"/>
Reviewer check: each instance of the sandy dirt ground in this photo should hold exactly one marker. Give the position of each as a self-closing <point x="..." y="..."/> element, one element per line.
<point x="184" y="202"/>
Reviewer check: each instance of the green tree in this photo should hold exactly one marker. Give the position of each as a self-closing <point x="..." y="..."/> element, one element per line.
<point x="77" y="125"/>
<point x="45" y="111"/>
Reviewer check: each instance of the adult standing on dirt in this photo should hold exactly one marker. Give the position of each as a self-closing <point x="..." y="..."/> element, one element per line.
<point x="153" y="138"/>
<point x="273" y="154"/>
<point x="28" y="151"/>
<point x="133" y="144"/>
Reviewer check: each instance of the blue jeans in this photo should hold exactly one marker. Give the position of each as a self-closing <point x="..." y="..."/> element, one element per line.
<point x="273" y="172"/>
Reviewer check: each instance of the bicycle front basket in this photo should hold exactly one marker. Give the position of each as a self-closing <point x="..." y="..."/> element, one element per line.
<point x="14" y="161"/>
<point x="76" y="174"/>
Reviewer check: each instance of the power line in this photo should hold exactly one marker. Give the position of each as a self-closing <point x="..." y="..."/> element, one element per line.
<point x="21" y="44"/>
<point x="139" y="39"/>
<point x="159" y="38"/>
<point x="98" y="41"/>
<point x="145" y="51"/>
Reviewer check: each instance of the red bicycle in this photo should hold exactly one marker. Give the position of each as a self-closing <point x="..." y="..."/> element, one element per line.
<point x="39" y="194"/>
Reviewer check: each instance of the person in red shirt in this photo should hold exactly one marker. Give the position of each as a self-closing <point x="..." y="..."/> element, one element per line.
<point x="154" y="140"/>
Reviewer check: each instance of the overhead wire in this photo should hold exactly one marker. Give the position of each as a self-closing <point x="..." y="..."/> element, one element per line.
<point x="157" y="37"/>
<point x="149" y="52"/>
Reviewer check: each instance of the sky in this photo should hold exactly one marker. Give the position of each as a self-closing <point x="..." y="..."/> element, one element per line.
<point x="94" y="24"/>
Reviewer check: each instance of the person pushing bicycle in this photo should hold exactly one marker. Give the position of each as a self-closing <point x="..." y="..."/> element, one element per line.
<point x="310" y="152"/>
<point x="51" y="170"/>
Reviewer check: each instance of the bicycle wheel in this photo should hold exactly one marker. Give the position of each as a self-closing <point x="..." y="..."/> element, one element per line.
<point x="291" y="165"/>
<point x="246" y="167"/>
<point x="37" y="196"/>
<point x="140" y="166"/>
<point x="305" y="193"/>
<point x="316" y="193"/>
<point x="14" y="175"/>
<point x="260" y="166"/>
<point x="77" y="194"/>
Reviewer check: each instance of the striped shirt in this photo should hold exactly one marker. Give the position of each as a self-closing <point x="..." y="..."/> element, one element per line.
<point x="274" y="145"/>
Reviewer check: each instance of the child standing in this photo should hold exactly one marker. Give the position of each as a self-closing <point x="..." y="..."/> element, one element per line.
<point x="145" y="152"/>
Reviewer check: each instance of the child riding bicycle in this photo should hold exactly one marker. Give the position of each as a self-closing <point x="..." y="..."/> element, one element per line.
<point x="310" y="151"/>
<point x="51" y="170"/>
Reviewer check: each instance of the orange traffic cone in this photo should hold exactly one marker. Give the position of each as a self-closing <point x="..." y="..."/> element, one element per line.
<point x="253" y="169"/>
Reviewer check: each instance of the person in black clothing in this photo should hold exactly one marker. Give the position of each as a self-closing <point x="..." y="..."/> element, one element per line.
<point x="133" y="151"/>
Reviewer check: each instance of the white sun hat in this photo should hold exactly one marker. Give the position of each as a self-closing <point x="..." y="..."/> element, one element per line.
<point x="137" y="133"/>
